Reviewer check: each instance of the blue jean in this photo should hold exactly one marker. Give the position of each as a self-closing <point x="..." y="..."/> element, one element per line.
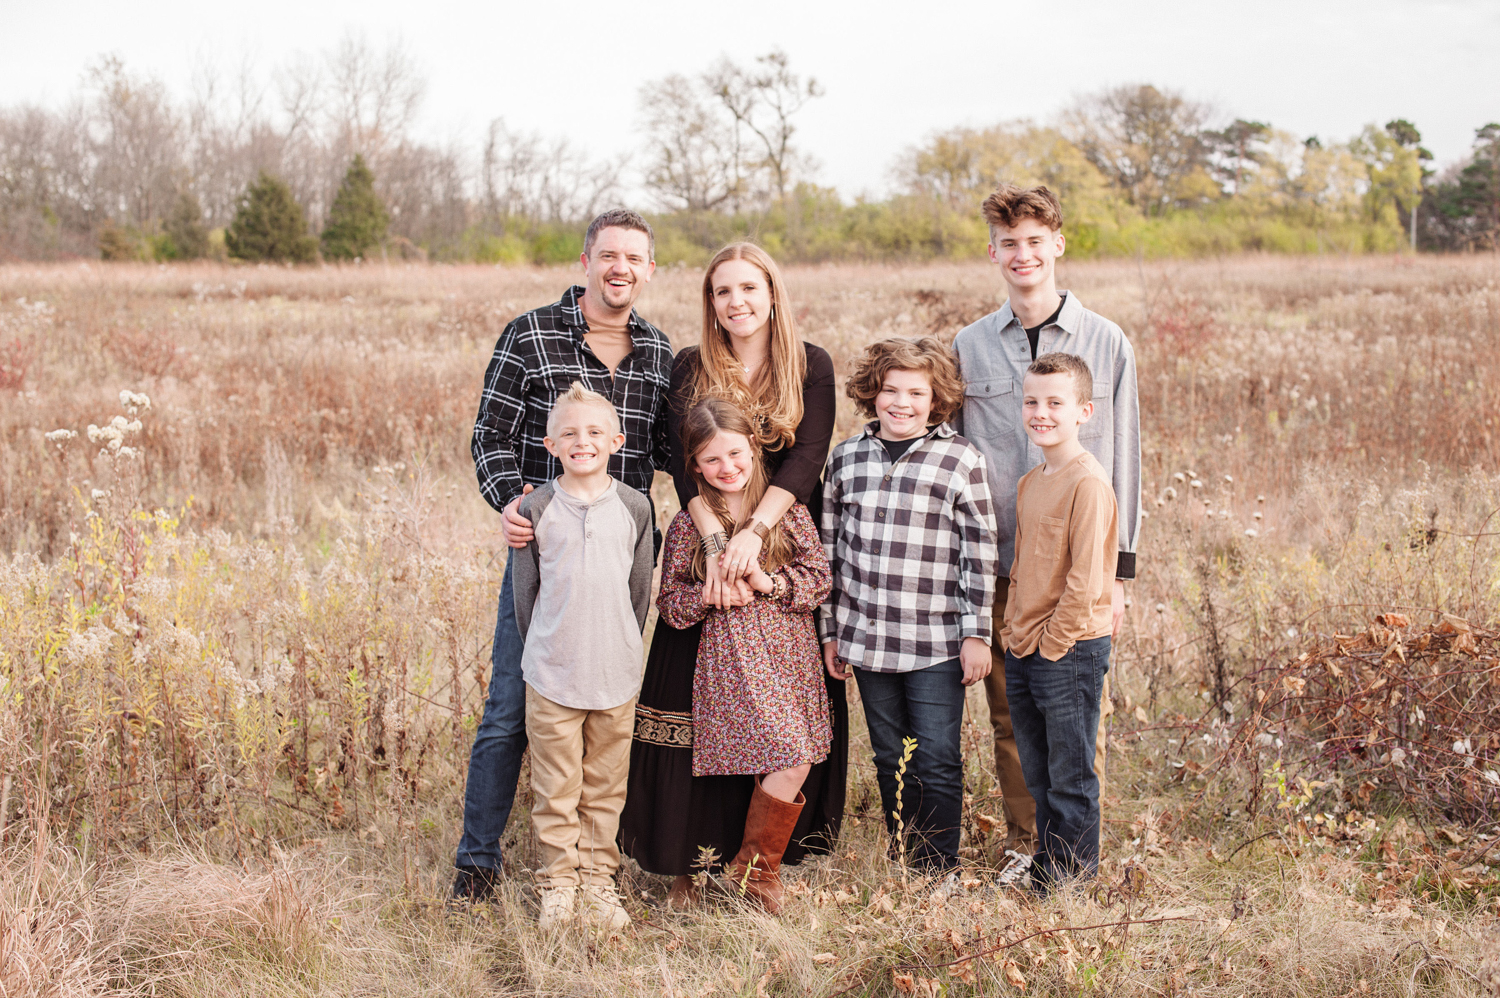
<point x="1054" y="712"/>
<point x="927" y="705"/>
<point x="499" y="743"/>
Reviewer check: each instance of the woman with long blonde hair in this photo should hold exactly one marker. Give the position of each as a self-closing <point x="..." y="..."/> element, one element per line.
<point x="749" y="355"/>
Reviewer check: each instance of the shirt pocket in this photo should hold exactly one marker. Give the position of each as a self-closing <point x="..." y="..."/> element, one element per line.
<point x="1051" y="532"/>
<point x="1102" y="422"/>
<point x="991" y="405"/>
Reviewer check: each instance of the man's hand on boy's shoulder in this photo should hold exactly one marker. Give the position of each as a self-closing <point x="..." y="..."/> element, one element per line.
<point x="974" y="656"/>
<point x="517" y="529"/>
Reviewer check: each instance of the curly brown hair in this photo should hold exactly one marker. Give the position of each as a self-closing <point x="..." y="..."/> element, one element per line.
<point x="1009" y="204"/>
<point x="927" y="355"/>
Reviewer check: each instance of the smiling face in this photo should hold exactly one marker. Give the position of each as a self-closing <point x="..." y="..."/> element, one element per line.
<point x="904" y="404"/>
<point x="742" y="299"/>
<point x="617" y="268"/>
<point x="1052" y="410"/>
<point x="582" y="437"/>
<point x="1027" y="253"/>
<point x="726" y="461"/>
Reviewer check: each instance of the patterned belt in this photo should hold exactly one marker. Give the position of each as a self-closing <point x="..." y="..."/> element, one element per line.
<point x="669" y="728"/>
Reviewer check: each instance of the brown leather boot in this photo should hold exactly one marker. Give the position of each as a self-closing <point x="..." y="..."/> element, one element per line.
<point x="768" y="830"/>
<point x="684" y="893"/>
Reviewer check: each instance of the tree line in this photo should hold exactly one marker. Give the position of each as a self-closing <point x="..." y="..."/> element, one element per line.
<point x="321" y="160"/>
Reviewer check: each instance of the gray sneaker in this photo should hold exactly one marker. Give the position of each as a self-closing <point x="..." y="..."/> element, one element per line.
<point x="1016" y="871"/>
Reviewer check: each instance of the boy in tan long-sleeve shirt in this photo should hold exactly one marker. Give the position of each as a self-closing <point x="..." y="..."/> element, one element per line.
<point x="1058" y="618"/>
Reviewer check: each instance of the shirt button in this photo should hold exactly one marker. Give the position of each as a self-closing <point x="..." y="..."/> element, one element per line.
<point x="881" y="513"/>
<point x="887" y="477"/>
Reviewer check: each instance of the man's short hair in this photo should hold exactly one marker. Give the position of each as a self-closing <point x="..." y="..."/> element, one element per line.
<point x="579" y="394"/>
<point x="620" y="218"/>
<point x="1067" y="363"/>
<point x="927" y="355"/>
<point x="1010" y="204"/>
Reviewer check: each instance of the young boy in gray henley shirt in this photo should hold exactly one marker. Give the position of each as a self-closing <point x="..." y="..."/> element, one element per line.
<point x="582" y="587"/>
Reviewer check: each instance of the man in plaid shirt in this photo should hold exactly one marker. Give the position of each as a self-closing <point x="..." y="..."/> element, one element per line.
<point x="592" y="336"/>
<point x="909" y="531"/>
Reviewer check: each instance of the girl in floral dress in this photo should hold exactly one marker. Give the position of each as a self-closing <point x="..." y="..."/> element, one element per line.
<point x="760" y="705"/>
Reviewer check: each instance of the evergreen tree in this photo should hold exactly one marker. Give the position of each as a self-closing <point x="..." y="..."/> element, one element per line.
<point x="357" y="220"/>
<point x="269" y="225"/>
<point x="186" y="230"/>
<point x="1468" y="203"/>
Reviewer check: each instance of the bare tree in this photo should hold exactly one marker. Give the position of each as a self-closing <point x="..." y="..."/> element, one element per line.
<point x="136" y="135"/>
<point x="762" y="100"/>
<point x="531" y="178"/>
<point x="695" y="163"/>
<point x="372" y="96"/>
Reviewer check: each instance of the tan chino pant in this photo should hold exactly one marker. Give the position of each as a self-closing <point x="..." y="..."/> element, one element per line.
<point x="579" y="763"/>
<point x="1018" y="807"/>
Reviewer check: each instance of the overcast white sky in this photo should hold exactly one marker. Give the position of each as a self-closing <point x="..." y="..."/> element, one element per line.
<point x="894" y="72"/>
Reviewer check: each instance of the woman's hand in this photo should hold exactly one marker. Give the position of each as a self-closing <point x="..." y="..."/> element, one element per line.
<point x="722" y="593"/>
<point x="741" y="556"/>
<point x="760" y="581"/>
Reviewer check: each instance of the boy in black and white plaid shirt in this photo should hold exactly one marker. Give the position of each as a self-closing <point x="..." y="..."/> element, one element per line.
<point x="909" y="530"/>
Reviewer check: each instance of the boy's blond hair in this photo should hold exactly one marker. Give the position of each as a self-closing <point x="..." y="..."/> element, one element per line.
<point x="580" y="394"/>
<point x="1067" y="363"/>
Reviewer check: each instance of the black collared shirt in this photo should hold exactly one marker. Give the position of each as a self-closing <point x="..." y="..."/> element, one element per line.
<point x="539" y="355"/>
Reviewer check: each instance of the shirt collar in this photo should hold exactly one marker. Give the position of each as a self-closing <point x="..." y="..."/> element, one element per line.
<point x="1067" y="319"/>
<point x="572" y="310"/>
<point x="940" y="431"/>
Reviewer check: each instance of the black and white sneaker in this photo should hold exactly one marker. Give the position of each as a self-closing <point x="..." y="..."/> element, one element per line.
<point x="1016" y="871"/>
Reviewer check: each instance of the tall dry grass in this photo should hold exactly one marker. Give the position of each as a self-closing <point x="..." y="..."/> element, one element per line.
<point x="243" y="650"/>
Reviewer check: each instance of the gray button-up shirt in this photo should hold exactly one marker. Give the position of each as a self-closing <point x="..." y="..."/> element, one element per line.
<point x="993" y="355"/>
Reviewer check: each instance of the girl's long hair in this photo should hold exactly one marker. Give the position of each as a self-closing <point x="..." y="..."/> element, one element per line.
<point x="774" y="401"/>
<point x="703" y="422"/>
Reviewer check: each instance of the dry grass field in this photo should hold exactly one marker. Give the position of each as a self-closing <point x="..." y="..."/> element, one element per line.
<point x="244" y="635"/>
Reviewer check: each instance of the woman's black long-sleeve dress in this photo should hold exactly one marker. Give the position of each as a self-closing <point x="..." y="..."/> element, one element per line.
<point x="670" y="814"/>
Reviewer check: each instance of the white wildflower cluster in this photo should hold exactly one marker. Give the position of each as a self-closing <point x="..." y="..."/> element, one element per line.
<point x="134" y="402"/>
<point x="112" y="436"/>
<point x="60" y="437"/>
<point x="90" y="646"/>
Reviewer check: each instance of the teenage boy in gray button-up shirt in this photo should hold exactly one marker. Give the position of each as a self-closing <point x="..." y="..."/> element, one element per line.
<point x="1025" y="241"/>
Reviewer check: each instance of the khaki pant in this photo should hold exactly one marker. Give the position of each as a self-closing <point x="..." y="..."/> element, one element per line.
<point x="579" y="763"/>
<point x="1018" y="807"/>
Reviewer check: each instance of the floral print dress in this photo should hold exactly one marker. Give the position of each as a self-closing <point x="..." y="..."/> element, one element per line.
<point x="759" y="701"/>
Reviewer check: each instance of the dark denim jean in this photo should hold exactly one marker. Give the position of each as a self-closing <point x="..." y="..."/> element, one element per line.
<point x="1054" y="711"/>
<point x="927" y="705"/>
<point x="499" y="743"/>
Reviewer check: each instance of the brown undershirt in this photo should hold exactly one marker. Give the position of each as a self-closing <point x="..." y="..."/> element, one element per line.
<point x="609" y="340"/>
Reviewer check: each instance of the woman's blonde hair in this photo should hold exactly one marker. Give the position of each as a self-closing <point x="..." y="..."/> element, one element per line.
<point x="774" y="401"/>
<point x="703" y="422"/>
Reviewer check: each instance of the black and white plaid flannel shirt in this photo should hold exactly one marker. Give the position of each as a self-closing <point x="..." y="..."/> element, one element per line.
<point x="913" y="548"/>
<point x="539" y="355"/>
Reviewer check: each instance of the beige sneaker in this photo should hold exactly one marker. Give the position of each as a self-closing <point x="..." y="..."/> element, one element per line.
<point x="603" y="909"/>
<point x="557" y="907"/>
